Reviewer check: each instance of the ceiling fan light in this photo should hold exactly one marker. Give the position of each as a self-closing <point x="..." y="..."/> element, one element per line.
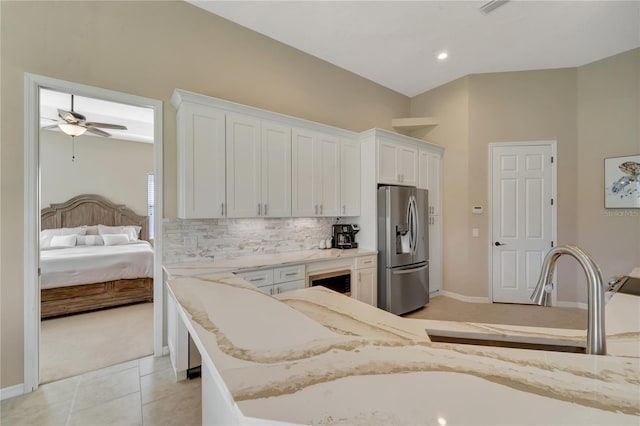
<point x="72" y="129"/>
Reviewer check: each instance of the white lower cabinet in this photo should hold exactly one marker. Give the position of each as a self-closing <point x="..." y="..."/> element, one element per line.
<point x="366" y="288"/>
<point x="435" y="254"/>
<point x="276" y="281"/>
<point x="177" y="339"/>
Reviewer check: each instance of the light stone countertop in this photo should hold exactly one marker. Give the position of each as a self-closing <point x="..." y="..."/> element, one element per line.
<point x="344" y="362"/>
<point x="229" y="264"/>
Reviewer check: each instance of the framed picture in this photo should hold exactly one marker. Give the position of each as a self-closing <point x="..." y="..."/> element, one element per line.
<point x="622" y="182"/>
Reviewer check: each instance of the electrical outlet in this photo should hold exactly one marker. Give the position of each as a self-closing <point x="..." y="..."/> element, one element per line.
<point x="475" y="232"/>
<point x="190" y="241"/>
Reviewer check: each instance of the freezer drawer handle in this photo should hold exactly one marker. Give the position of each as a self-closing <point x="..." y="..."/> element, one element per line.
<point x="410" y="271"/>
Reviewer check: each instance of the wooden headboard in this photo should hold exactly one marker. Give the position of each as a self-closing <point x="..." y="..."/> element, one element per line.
<point x="90" y="209"/>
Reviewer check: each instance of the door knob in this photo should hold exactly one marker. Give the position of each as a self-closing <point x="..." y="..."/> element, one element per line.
<point x="498" y="243"/>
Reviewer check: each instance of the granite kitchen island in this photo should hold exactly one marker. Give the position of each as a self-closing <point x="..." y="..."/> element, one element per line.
<point x="345" y="362"/>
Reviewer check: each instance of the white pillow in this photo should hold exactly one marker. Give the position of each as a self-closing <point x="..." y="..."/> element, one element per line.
<point x="89" y="240"/>
<point x="92" y="230"/>
<point x="47" y="234"/>
<point x="115" y="239"/>
<point x="63" y="241"/>
<point x="132" y="231"/>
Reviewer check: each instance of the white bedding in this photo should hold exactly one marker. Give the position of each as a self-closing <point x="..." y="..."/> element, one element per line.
<point x="95" y="264"/>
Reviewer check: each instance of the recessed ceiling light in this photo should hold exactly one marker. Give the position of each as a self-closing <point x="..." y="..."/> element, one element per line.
<point x="442" y="56"/>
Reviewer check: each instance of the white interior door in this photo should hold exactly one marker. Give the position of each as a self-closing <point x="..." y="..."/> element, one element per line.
<point x="522" y="217"/>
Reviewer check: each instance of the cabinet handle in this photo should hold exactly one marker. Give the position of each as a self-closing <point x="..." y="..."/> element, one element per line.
<point x="316" y="209"/>
<point x="265" y="209"/>
<point x="271" y="291"/>
<point x="253" y="280"/>
<point x="278" y="290"/>
<point x="320" y="208"/>
<point x="359" y="276"/>
<point x="258" y="209"/>
<point x="221" y="209"/>
<point x="344" y="209"/>
<point x="288" y="274"/>
<point x="366" y="262"/>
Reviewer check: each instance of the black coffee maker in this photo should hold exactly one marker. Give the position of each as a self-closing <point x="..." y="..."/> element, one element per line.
<point x="344" y="236"/>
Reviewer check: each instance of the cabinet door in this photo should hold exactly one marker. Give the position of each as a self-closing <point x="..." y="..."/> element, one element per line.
<point x="423" y="171"/>
<point x="276" y="170"/>
<point x="201" y="162"/>
<point x="387" y="161"/>
<point x="434" y="183"/>
<point x="303" y="175"/>
<point x="243" y="166"/>
<point x="435" y="254"/>
<point x="328" y="175"/>
<point x="367" y="290"/>
<point x="291" y="285"/>
<point x="350" y="177"/>
<point x="408" y="165"/>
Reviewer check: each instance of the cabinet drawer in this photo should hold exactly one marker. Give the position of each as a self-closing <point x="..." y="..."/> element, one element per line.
<point x="366" y="261"/>
<point x="289" y="273"/>
<point x="258" y="278"/>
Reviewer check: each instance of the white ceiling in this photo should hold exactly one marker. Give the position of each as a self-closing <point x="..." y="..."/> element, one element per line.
<point x="395" y="43"/>
<point x="138" y="120"/>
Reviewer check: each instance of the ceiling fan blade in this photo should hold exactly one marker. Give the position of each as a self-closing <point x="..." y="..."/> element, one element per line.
<point x="50" y="126"/>
<point x="71" y="116"/>
<point x="98" y="132"/>
<point x="105" y="125"/>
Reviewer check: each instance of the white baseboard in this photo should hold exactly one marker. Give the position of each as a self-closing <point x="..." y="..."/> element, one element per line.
<point x="463" y="298"/>
<point x="11" y="391"/>
<point x="579" y="305"/>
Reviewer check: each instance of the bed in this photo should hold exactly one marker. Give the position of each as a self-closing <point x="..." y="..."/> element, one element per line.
<point x="85" y="277"/>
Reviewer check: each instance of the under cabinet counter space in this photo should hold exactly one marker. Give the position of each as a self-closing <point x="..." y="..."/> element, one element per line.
<point x="236" y="264"/>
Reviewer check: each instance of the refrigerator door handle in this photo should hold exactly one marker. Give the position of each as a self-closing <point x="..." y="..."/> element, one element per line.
<point x="410" y="271"/>
<point x="413" y="225"/>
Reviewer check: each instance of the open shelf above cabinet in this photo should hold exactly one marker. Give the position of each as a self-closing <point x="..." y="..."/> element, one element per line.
<point x="413" y="123"/>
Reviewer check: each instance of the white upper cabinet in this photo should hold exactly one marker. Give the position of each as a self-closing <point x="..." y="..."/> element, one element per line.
<point x="244" y="157"/>
<point x="350" y="177"/>
<point x="328" y="182"/>
<point x="315" y="174"/>
<point x="397" y="163"/>
<point x="258" y="167"/>
<point x="429" y="172"/>
<point x="276" y="170"/>
<point x="303" y="174"/>
<point x="201" y="162"/>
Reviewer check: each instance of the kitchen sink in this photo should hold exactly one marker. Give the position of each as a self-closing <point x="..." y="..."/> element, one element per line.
<point x="521" y="344"/>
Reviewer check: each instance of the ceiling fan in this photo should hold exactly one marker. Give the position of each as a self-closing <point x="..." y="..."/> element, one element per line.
<point x="75" y="124"/>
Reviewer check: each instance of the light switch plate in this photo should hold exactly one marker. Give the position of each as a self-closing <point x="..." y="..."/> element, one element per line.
<point x="475" y="232"/>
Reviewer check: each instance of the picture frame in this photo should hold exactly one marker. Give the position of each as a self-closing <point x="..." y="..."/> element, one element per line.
<point x="622" y="182"/>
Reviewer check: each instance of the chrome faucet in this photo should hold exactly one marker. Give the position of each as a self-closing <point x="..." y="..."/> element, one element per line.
<point x="595" y="296"/>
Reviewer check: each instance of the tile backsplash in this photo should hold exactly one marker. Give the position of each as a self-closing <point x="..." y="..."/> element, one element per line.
<point x="199" y="240"/>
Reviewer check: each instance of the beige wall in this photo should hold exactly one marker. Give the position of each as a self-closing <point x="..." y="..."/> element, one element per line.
<point x="608" y="126"/>
<point x="114" y="168"/>
<point x="148" y="49"/>
<point x="578" y="107"/>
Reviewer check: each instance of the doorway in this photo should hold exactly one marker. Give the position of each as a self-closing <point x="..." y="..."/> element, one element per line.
<point x="522" y="216"/>
<point x="33" y="85"/>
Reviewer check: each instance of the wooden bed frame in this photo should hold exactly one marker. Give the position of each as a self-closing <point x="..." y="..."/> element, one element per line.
<point x="89" y="209"/>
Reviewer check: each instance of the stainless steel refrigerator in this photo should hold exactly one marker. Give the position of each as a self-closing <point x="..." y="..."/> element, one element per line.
<point x="403" y="246"/>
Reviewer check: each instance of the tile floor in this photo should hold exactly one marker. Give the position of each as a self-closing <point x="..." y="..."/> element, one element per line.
<point x="138" y="392"/>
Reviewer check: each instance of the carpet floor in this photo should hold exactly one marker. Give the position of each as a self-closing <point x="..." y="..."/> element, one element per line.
<point x="85" y="342"/>
<point x="447" y="309"/>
